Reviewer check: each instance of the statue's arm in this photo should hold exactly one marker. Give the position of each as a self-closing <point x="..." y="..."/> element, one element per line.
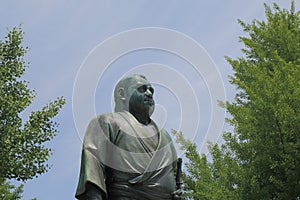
<point x="91" y="185"/>
<point x="92" y="193"/>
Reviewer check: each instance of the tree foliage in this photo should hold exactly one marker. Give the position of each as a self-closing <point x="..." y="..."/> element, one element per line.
<point x="211" y="177"/>
<point x="9" y="191"/>
<point x="22" y="144"/>
<point x="260" y="159"/>
<point x="266" y="111"/>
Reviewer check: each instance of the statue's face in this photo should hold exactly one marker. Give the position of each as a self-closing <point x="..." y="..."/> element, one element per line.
<point x="140" y="94"/>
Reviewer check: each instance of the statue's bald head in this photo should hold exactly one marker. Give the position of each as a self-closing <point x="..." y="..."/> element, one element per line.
<point x="124" y="90"/>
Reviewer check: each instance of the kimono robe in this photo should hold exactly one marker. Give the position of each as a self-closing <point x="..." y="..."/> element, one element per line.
<point x="117" y="159"/>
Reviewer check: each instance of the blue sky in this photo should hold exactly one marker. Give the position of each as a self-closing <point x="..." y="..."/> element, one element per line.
<point x="62" y="34"/>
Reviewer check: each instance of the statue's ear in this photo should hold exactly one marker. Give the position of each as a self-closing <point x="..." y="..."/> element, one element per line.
<point x="121" y="93"/>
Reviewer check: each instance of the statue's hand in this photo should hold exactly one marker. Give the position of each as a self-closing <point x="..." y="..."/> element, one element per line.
<point x="94" y="193"/>
<point x="177" y="195"/>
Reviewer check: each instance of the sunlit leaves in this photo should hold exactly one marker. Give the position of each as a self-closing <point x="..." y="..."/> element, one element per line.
<point x="260" y="158"/>
<point x="22" y="144"/>
<point x="265" y="113"/>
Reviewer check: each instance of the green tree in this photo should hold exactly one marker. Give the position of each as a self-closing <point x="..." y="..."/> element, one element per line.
<point x="265" y="113"/>
<point x="9" y="191"/>
<point x="210" y="177"/>
<point x="260" y="159"/>
<point x="22" y="144"/>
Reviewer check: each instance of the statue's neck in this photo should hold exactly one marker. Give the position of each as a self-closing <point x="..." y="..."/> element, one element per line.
<point x="144" y="119"/>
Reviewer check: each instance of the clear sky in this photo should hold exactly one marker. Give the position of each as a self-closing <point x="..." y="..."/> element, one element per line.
<point x="67" y="41"/>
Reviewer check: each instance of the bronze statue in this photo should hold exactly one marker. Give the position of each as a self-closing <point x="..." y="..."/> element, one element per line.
<point x="125" y="155"/>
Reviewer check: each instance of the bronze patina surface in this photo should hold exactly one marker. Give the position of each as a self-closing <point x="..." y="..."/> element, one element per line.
<point x="125" y="155"/>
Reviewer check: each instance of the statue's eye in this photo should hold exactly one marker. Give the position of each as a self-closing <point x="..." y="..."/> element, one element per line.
<point x="142" y="88"/>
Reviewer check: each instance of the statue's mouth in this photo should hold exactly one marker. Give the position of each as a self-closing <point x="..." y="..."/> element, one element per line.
<point x="149" y="101"/>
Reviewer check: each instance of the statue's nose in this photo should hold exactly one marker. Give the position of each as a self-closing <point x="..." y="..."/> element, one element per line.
<point x="148" y="93"/>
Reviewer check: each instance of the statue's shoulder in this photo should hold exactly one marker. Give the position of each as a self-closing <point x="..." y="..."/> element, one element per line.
<point x="109" y="118"/>
<point x="165" y="134"/>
